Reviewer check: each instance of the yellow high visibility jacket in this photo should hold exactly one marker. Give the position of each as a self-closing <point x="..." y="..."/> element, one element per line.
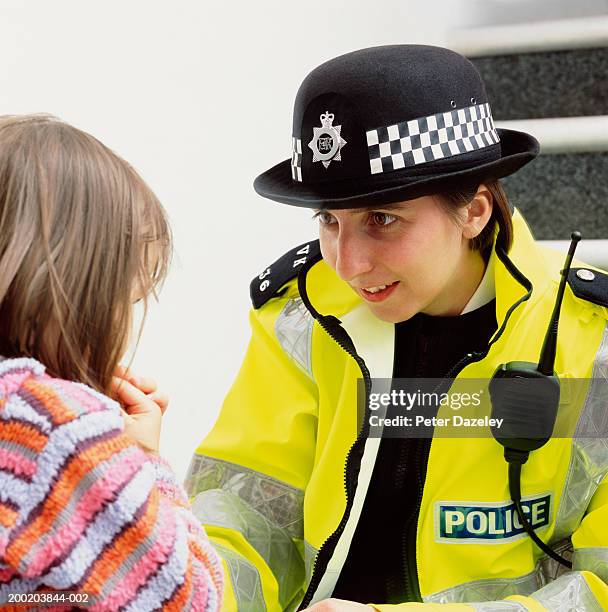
<point x="279" y="492"/>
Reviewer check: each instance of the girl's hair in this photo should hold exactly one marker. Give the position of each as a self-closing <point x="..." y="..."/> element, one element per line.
<point x="81" y="237"/>
<point x="500" y="218"/>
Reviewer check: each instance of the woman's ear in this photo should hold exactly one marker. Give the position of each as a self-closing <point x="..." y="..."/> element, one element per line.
<point x="477" y="213"/>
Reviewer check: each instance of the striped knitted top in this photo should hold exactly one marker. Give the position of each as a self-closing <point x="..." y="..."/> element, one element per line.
<point x="83" y="508"/>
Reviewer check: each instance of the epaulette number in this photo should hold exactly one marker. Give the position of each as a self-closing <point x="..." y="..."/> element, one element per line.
<point x="305" y="250"/>
<point x="268" y="282"/>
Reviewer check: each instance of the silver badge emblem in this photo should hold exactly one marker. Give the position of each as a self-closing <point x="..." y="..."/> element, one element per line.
<point x="585" y="274"/>
<point x="326" y="142"/>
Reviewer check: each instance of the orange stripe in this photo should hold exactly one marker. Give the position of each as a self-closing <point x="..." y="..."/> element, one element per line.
<point x="23" y="434"/>
<point x="214" y="570"/>
<point x="124" y="545"/>
<point x="8" y="516"/>
<point x="63" y="489"/>
<point x="53" y="404"/>
<point x="178" y="602"/>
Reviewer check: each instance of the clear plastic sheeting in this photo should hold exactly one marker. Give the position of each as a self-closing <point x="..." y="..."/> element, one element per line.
<point x="593" y="560"/>
<point x="589" y="460"/>
<point x="265" y="511"/>
<point x="569" y="593"/>
<point x="225" y="509"/>
<point x="293" y="329"/>
<point x="489" y="590"/>
<point x="498" y="606"/>
<point x="245" y="581"/>
<point x="278" y="502"/>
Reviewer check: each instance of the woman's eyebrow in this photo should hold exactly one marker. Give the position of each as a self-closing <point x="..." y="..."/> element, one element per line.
<point x="367" y="209"/>
<point x="397" y="206"/>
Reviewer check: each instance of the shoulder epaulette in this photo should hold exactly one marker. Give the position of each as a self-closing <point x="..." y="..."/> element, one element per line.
<point x="590" y="285"/>
<point x="267" y="284"/>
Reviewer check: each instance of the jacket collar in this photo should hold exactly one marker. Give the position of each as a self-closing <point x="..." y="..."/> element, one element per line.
<point x="486" y="291"/>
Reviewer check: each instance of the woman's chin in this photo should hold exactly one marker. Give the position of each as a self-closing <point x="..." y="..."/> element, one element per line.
<point x="391" y="313"/>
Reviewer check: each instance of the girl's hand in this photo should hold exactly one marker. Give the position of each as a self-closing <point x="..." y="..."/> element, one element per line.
<point x="143" y="406"/>
<point x="145" y="385"/>
<point x="338" y="605"/>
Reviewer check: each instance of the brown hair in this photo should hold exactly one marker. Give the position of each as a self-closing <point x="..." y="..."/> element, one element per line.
<point x="80" y="234"/>
<point x="500" y="218"/>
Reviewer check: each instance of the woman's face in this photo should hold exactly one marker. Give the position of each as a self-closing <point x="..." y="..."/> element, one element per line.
<point x="404" y="258"/>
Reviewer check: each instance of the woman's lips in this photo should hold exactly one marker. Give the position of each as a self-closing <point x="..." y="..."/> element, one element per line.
<point x="378" y="296"/>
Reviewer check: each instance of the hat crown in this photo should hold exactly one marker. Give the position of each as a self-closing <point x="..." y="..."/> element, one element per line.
<point x="393" y="83"/>
<point x="410" y="108"/>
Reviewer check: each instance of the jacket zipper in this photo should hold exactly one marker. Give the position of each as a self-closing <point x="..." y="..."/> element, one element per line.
<point x="409" y="552"/>
<point x="333" y="327"/>
<point x="410" y="531"/>
<point x="327" y="548"/>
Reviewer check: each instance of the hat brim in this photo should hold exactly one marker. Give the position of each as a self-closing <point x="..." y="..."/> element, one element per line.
<point x="517" y="149"/>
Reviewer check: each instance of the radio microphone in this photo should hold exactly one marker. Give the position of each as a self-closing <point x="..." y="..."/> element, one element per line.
<point x="525" y="396"/>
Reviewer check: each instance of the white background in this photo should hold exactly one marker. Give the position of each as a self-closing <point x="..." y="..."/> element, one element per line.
<point x="198" y="97"/>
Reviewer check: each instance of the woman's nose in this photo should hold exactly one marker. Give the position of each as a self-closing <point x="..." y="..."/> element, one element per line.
<point x="353" y="257"/>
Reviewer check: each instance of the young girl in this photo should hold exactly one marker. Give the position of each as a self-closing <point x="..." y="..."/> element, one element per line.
<point x="90" y="515"/>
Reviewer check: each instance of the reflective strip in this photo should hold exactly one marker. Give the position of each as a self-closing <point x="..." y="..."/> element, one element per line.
<point x="225" y="509"/>
<point x="569" y="593"/>
<point x="488" y="590"/>
<point x="265" y="511"/>
<point x="593" y="560"/>
<point x="498" y="606"/>
<point x="280" y="503"/>
<point x="551" y="569"/>
<point x="491" y="590"/>
<point x="589" y="459"/>
<point x="245" y="580"/>
<point x="310" y="555"/>
<point x="293" y="329"/>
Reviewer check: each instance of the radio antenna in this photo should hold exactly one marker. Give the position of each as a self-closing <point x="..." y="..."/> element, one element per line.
<point x="547" y="354"/>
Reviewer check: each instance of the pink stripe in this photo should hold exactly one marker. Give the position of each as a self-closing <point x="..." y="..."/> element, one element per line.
<point x="16" y="463"/>
<point x="3" y="543"/>
<point x="87" y="402"/>
<point x="201" y="583"/>
<point x="12" y="381"/>
<point x="101" y="491"/>
<point x="125" y="590"/>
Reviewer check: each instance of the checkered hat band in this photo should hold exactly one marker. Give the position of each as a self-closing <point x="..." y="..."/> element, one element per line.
<point x="431" y="138"/>
<point x="296" y="159"/>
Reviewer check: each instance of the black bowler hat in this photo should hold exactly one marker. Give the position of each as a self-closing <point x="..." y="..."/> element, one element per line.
<point x="388" y="124"/>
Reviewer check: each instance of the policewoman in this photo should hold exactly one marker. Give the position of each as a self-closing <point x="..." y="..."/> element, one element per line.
<point x="420" y="270"/>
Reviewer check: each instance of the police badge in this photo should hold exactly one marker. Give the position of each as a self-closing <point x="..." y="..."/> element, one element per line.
<point x="326" y="142"/>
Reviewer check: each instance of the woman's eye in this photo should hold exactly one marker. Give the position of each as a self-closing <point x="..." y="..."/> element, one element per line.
<point x="382" y="219"/>
<point x="325" y="218"/>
